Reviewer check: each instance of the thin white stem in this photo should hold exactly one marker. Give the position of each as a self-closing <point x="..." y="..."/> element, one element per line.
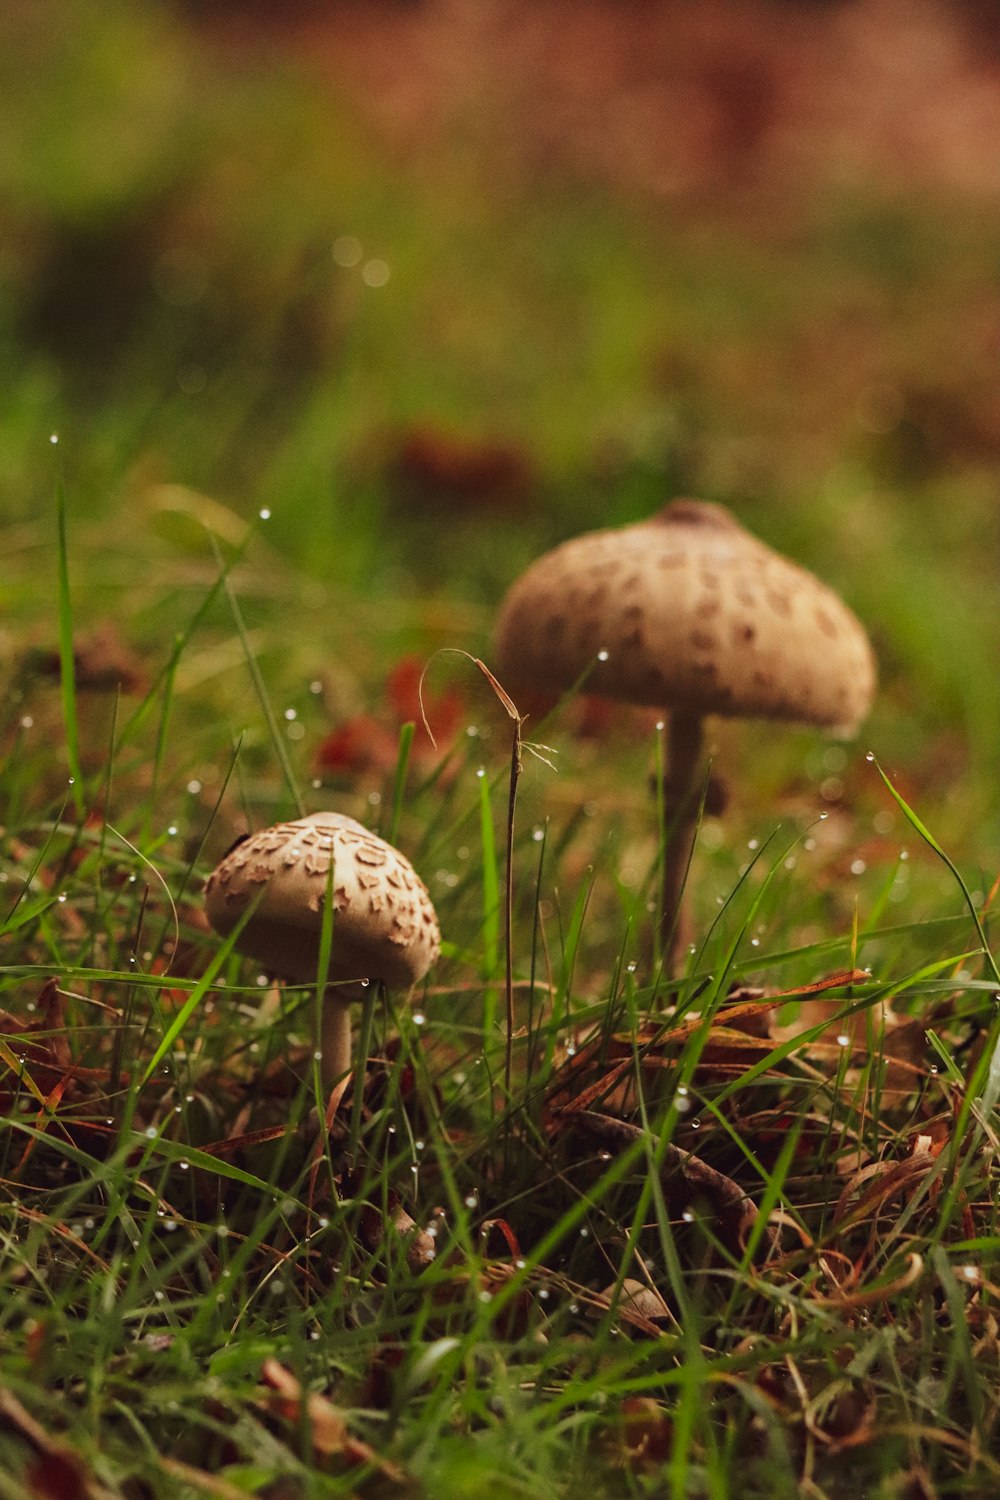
<point x="335" y="1034"/>
<point x="681" y="817"/>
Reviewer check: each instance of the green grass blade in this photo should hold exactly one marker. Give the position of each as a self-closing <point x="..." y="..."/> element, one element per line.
<point x="67" y="661"/>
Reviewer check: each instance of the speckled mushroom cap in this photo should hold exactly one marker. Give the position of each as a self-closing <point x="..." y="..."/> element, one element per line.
<point x="693" y="612"/>
<point x="384" y="926"/>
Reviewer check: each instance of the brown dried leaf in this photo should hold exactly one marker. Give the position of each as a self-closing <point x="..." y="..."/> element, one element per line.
<point x="642" y="1436"/>
<point x="56" y="1475"/>
<point x="286" y="1399"/>
<point x="735" y="1208"/>
<point x="639" y="1305"/>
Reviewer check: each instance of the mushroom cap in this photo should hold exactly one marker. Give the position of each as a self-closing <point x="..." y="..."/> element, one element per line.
<point x="694" y="613"/>
<point x="384" y="925"/>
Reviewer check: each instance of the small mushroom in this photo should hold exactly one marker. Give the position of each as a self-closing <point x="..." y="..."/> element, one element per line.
<point x="689" y="613"/>
<point x="384" y="926"/>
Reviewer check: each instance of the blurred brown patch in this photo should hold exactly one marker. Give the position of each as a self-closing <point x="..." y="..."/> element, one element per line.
<point x="430" y="467"/>
<point x="102" y="662"/>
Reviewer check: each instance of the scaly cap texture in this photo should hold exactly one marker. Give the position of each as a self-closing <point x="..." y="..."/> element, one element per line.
<point x="694" y="613"/>
<point x="384" y="925"/>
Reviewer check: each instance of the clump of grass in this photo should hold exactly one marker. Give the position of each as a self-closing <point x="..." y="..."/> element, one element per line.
<point x="724" y="1231"/>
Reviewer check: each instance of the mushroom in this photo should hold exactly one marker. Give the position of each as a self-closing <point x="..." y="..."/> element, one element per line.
<point x="689" y="613"/>
<point x="384" y="926"/>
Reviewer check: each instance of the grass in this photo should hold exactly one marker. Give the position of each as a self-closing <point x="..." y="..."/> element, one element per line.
<point x="720" y="1233"/>
<point x="196" y="1302"/>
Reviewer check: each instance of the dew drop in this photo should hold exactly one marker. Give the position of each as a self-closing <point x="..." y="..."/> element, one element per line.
<point x="870" y="755"/>
<point x="419" y="1019"/>
<point x="53" y="438"/>
<point x="602" y="655"/>
<point x="265" y="514"/>
<point x="843" y="1040"/>
<point x="481" y="771"/>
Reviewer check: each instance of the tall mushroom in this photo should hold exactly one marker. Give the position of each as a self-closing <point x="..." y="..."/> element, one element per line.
<point x="384" y="926"/>
<point x="689" y="613"/>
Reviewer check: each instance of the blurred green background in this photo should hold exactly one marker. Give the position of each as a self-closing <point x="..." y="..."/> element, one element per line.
<point x="440" y="284"/>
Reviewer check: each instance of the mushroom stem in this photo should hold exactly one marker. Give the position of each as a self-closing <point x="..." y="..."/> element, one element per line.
<point x="680" y="823"/>
<point x="335" y="1033"/>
